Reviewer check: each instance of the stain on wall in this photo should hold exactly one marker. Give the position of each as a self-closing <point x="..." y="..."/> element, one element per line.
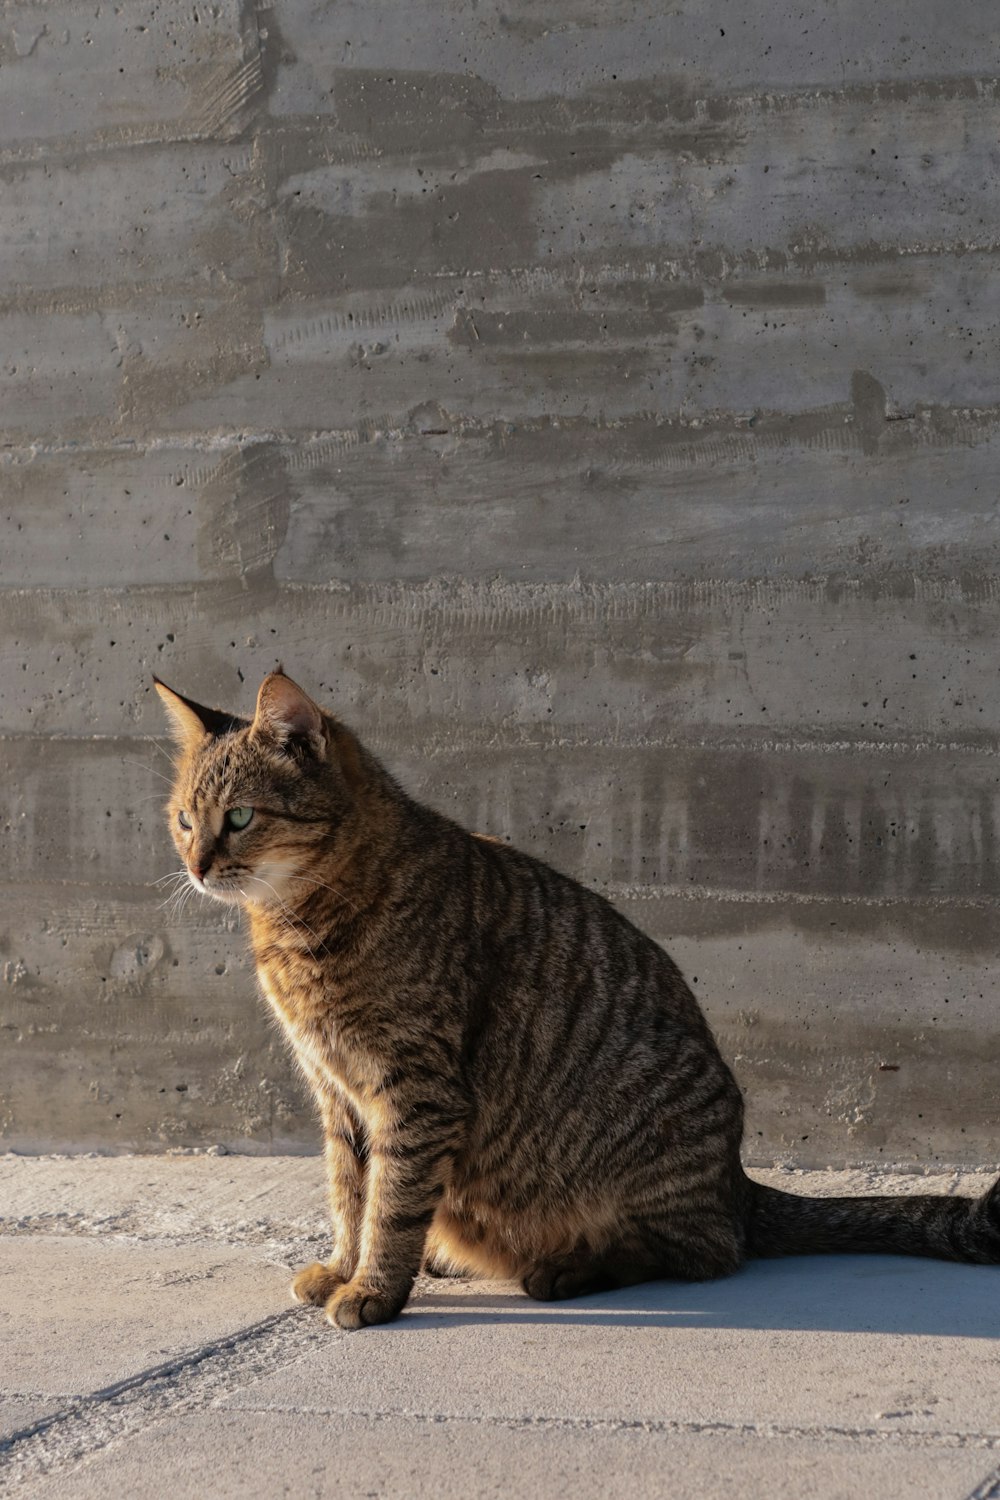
<point x="596" y="404"/>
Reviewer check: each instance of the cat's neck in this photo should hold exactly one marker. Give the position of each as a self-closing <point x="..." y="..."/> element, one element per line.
<point x="352" y="876"/>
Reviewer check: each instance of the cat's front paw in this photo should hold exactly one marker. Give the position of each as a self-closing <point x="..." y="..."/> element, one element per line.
<point x="316" y="1284"/>
<point x="357" y="1305"/>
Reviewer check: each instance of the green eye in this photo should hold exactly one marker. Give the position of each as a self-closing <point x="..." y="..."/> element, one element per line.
<point x="239" y="817"/>
<point x="184" y="820"/>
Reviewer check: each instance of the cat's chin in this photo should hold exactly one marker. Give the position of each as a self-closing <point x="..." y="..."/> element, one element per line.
<point x="247" y="890"/>
<point x="226" y="895"/>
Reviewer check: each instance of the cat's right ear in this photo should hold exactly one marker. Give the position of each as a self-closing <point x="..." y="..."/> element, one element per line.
<point x="191" y="722"/>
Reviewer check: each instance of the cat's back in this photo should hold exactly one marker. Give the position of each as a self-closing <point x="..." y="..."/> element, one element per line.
<point x="576" y="991"/>
<point x="567" y="940"/>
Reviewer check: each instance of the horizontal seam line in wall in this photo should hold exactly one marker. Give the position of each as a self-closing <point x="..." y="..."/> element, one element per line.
<point x="714" y="424"/>
<point x="220" y="920"/>
<point x="454" y="600"/>
<point x="626" y="892"/>
<point x="471" y="744"/>
<point x="716" y="109"/>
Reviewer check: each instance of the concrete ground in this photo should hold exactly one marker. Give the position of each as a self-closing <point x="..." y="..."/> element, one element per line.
<point x="148" y="1347"/>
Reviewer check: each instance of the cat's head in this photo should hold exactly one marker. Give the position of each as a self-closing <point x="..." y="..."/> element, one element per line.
<point x="256" y="801"/>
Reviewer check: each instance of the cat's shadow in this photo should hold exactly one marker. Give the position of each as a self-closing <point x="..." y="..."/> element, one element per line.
<point x="842" y="1294"/>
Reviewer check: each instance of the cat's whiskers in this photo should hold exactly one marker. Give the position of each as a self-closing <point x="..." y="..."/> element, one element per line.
<point x="175" y="885"/>
<point x="177" y="900"/>
<point x="332" y="889"/>
<point x="284" y="905"/>
<point x="292" y="919"/>
<point x="128" y="761"/>
<point x="160" y="751"/>
<point x="171" y="900"/>
<point x="283" y="919"/>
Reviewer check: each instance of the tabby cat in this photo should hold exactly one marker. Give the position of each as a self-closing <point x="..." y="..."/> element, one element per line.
<point x="512" y="1079"/>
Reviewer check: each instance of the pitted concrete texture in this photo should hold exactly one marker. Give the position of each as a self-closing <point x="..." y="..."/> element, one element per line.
<point x="148" y="1347"/>
<point x="320" y="1453"/>
<point x="596" y="404"/>
<point x="145" y="1304"/>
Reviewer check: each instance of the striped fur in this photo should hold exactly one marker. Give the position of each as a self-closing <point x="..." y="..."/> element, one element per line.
<point x="512" y="1079"/>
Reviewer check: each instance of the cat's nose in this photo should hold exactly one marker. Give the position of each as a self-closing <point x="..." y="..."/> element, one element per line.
<point x="199" y="871"/>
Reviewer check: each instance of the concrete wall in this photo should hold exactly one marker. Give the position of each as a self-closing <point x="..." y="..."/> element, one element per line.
<point x="597" y="404"/>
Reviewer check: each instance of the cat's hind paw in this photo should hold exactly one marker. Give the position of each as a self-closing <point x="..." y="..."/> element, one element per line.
<point x="547" y="1282"/>
<point x="316" y="1284"/>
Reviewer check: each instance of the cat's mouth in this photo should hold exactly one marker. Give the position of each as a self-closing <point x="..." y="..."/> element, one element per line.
<point x="229" y="889"/>
<point x="240" y="888"/>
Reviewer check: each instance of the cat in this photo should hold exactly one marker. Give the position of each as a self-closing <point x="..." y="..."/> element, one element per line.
<point x="513" y="1080"/>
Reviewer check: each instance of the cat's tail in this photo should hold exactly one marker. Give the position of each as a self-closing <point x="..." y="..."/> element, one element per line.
<point x="968" y="1229"/>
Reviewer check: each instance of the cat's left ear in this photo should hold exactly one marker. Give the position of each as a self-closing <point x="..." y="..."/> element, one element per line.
<point x="288" y="714"/>
<point x="192" y="722"/>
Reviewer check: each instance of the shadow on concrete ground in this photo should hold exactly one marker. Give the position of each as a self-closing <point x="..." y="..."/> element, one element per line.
<point x="837" y="1294"/>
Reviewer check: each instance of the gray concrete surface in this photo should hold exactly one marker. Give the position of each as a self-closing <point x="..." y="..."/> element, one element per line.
<point x="594" y="402"/>
<point x="147" y="1346"/>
